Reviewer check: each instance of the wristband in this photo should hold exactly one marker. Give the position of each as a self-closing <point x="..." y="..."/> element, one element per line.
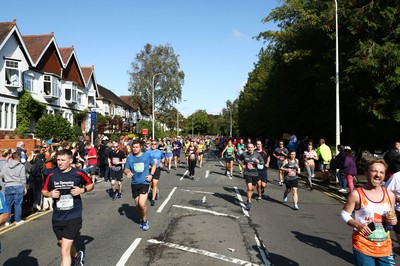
<point x="85" y="189"/>
<point x="345" y="216"/>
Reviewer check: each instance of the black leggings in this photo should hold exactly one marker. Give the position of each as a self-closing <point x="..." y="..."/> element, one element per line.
<point x="192" y="165"/>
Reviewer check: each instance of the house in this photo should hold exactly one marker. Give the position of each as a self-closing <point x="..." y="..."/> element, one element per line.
<point x="53" y="76"/>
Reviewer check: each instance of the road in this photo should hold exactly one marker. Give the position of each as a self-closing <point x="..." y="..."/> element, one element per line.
<point x="200" y="222"/>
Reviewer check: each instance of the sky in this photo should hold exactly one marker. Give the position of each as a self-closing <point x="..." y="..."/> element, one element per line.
<point x="212" y="38"/>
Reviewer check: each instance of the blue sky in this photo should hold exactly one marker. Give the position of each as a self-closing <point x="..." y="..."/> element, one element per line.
<point x="213" y="39"/>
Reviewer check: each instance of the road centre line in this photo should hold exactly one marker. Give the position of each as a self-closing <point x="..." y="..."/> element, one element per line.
<point x="202" y="252"/>
<point x="187" y="171"/>
<point x="197" y="191"/>
<point x="128" y="252"/>
<point x="260" y="247"/>
<point x="207" y="211"/>
<point x="245" y="212"/>
<point x="166" y="200"/>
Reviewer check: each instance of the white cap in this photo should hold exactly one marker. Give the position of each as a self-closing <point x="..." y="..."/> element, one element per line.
<point x="347" y="148"/>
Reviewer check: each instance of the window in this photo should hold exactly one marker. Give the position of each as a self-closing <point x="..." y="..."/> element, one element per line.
<point x="50" y="86"/>
<point x="28" y="83"/>
<point x="70" y="93"/>
<point x="12" y="73"/>
<point x="91" y="101"/>
<point x="80" y="95"/>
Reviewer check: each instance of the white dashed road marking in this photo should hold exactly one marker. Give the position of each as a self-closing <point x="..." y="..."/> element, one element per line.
<point x="166" y="200"/>
<point x="128" y="252"/>
<point x="207" y="211"/>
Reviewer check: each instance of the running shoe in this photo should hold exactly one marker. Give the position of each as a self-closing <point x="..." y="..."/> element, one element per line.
<point x="343" y="190"/>
<point x="145" y="225"/>
<point x="296" y="207"/>
<point x="119" y="195"/>
<point x="240" y="172"/>
<point x="285" y="198"/>
<point x="141" y="224"/>
<point x="79" y="258"/>
<point x="152" y="202"/>
<point x="7" y="224"/>
<point x="157" y="194"/>
<point x="280" y="183"/>
<point x="259" y="199"/>
<point x="115" y="196"/>
<point x="167" y="171"/>
<point x="248" y="206"/>
<point x="19" y="223"/>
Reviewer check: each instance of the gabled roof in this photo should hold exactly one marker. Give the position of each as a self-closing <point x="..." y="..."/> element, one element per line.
<point x="5" y="29"/>
<point x="66" y="53"/>
<point x="88" y="73"/>
<point x="110" y="96"/>
<point x="128" y="100"/>
<point x="37" y="45"/>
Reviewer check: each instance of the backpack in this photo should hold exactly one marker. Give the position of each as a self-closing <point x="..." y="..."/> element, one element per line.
<point x="37" y="168"/>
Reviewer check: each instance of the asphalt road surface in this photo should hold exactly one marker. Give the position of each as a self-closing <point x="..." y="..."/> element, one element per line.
<point x="195" y="222"/>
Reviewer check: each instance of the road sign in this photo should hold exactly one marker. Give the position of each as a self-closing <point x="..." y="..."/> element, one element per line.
<point x="145" y="131"/>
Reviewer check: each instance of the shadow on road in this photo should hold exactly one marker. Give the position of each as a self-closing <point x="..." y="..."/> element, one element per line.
<point x="81" y="241"/>
<point x="23" y="258"/>
<point x="130" y="212"/>
<point x="329" y="246"/>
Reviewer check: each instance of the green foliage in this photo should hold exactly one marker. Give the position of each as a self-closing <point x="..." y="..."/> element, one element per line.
<point x="27" y="108"/>
<point x="198" y="122"/>
<point x="292" y="86"/>
<point x="147" y="124"/>
<point x="77" y="131"/>
<point x="156" y="67"/>
<point x="54" y="125"/>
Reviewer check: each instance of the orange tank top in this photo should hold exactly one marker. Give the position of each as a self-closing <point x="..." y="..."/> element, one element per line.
<point x="378" y="244"/>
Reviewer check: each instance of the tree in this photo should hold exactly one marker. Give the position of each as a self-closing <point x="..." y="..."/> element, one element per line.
<point x="199" y="122"/>
<point x="54" y="125"/>
<point x="147" y="125"/>
<point x="27" y="109"/>
<point x="156" y="67"/>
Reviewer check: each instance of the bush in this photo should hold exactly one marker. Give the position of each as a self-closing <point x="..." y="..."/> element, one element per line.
<point x="54" y="125"/>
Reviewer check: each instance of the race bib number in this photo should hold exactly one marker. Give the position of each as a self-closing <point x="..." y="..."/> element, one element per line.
<point x="379" y="234"/>
<point x="281" y="158"/>
<point x="115" y="160"/>
<point x="66" y="202"/>
<point x="138" y="167"/>
<point x="250" y="166"/>
<point x="292" y="172"/>
<point x="192" y="156"/>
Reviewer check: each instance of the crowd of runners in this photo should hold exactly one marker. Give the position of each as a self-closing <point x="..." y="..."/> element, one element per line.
<point x="57" y="173"/>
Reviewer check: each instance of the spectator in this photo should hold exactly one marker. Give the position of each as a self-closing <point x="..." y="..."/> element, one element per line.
<point x="4" y="214"/>
<point x="14" y="176"/>
<point x="392" y="158"/>
<point x="4" y="157"/>
<point x="37" y="160"/>
<point x="91" y="159"/>
<point x="103" y="152"/>
<point x="349" y="168"/>
<point x="22" y="150"/>
<point x="338" y="164"/>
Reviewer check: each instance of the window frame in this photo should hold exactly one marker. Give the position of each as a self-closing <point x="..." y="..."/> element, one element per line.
<point x="9" y="68"/>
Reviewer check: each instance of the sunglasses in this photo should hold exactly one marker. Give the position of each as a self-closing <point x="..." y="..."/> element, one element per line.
<point x="153" y="143"/>
<point x="115" y="146"/>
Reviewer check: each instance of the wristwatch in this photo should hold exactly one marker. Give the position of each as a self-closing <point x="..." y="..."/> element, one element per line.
<point x="85" y="189"/>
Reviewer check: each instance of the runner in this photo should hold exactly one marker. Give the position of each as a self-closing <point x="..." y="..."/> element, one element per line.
<point x="291" y="167"/>
<point x="229" y="158"/>
<point x="200" y="149"/>
<point x="158" y="157"/>
<point x="262" y="169"/>
<point x="373" y="208"/>
<point x="249" y="160"/>
<point x="168" y="155"/>
<point x="240" y="148"/>
<point x="65" y="185"/>
<point x="186" y="145"/>
<point x="191" y="154"/>
<point x="116" y="161"/>
<point x="208" y="143"/>
<point x="137" y="168"/>
<point x="280" y="154"/>
<point x="310" y="155"/>
<point x="176" y="152"/>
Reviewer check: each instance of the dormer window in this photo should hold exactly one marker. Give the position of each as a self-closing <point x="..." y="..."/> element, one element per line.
<point x="12" y="73"/>
<point x="91" y="101"/>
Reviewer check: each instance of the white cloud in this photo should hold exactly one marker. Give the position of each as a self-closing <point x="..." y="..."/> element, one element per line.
<point x="239" y="36"/>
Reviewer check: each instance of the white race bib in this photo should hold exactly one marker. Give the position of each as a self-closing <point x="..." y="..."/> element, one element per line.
<point x="66" y="202"/>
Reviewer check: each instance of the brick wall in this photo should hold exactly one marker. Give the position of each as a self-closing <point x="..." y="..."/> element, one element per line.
<point x="12" y="143"/>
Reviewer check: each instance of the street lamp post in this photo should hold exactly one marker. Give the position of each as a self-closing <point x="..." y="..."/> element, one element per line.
<point x="152" y="104"/>
<point x="337" y="79"/>
<point x="230" y="129"/>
